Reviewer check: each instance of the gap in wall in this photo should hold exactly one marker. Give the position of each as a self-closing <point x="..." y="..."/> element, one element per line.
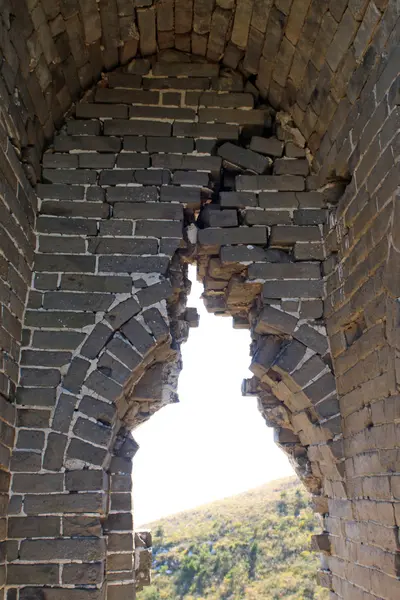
<point x="214" y="442"/>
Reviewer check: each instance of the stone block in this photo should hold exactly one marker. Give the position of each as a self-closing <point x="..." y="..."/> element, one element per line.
<point x="244" y="158"/>
<point x="234" y="235"/>
<point x="278" y="271"/>
<point x="237" y="199"/>
<point x="136" y="127"/>
<point x="293" y="289"/>
<point x="260" y="183"/>
<point x="288" y="235"/>
<point x="273" y="321"/>
<point x="268" y="146"/>
<point x="63" y="549"/>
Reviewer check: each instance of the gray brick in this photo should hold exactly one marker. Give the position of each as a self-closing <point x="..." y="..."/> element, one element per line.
<point x="312" y="338"/>
<point x="113" y="369"/>
<point x="122" y="312"/>
<point x="133" y="264"/>
<point x="93" y="432"/>
<point x="232" y="254"/>
<point x="35" y="483"/>
<point x="173" y="145"/>
<point x="30" y="440"/>
<point x="193" y="178"/>
<point x="94" y="160"/>
<point x="233" y="115"/>
<point x="59" y="319"/>
<point x="161" y="112"/>
<point x="274" y="200"/>
<point x="293" y="166"/>
<point x="186" y="69"/>
<point x="33" y="574"/>
<point x="313" y="309"/>
<point x="272" y="271"/>
<point x="117" y="177"/>
<point x="233" y="235"/>
<point x="152" y="176"/>
<point x="186" y="162"/>
<point x="267" y="217"/>
<point x="293" y="151"/>
<point x="66" y="226"/>
<point x="96" y="341"/>
<point x="311" y="199"/>
<point x="77" y="301"/>
<point x="56" y="244"/>
<point x="309" y="251"/>
<point x="120" y="348"/>
<point x="154" y="293"/>
<point x="186" y="195"/>
<point x="76" y="374"/>
<point x="71" y="176"/>
<point x="280" y="183"/>
<point x="321" y="388"/>
<point x="74" y="209"/>
<point x="136" y="127"/>
<point x="123" y="246"/>
<point x="54" y="160"/>
<point x="115" y="96"/>
<point x="65" y="340"/>
<point x="159" y="229"/>
<point x="45" y="359"/>
<point x="273" y="321"/>
<point x="115" y="228"/>
<point x="212" y="216"/>
<point x="244" y="158"/>
<point x="25" y="527"/>
<point x="101" y="411"/>
<point x="64" y="262"/>
<point x="63" y="413"/>
<point x="63" y="549"/>
<point x="138" y="336"/>
<point x="92" y="455"/>
<point x="134" y="143"/>
<point x="154" y="210"/>
<point x="40" y="377"/>
<point x="310" y="217"/>
<point x="85" y="481"/>
<point x="33" y="418"/>
<point x="132" y="194"/>
<point x="237" y="199"/>
<point x="34" y="397"/>
<point x="54" y="455"/>
<point x="87" y="142"/>
<point x="268" y="146"/>
<point x="133" y="160"/>
<point x="293" y="289"/>
<point x="96" y="283"/>
<point x="85" y="110"/>
<point x="286" y="236"/>
<point x="103" y="386"/>
<point x="83" y="127"/>
<point x="85" y="573"/>
<point x="291" y="355"/>
<point x="205" y="130"/>
<point x="154" y="320"/>
<point x="60" y="192"/>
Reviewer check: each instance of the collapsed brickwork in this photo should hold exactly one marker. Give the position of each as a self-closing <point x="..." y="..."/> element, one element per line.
<point x="149" y="151"/>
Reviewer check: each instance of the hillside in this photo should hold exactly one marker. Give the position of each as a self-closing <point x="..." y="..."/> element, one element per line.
<point x="252" y="546"/>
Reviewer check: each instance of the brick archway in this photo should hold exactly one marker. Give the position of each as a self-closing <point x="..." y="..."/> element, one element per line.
<point x="339" y="82"/>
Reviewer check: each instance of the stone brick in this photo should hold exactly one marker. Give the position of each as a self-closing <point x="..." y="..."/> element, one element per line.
<point x="296" y="166"/>
<point x="136" y="127"/>
<point x="63" y="549"/>
<point x="279" y="271"/>
<point x="269" y="146"/>
<point x="274" y="321"/>
<point x="287" y="235"/>
<point x="233" y="235"/>
<point x="293" y="289"/>
<point x="132" y="194"/>
<point x="205" y="130"/>
<point x="269" y="183"/>
<point x="135" y="264"/>
<point x="237" y="199"/>
<point x="243" y="158"/>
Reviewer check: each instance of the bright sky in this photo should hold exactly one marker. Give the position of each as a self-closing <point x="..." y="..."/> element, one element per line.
<point x="214" y="443"/>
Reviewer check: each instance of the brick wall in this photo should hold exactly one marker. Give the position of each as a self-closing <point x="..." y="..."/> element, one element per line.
<point x="127" y="183"/>
<point x="107" y="306"/>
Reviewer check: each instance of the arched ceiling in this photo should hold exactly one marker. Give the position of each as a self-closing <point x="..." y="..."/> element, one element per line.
<point x="305" y="56"/>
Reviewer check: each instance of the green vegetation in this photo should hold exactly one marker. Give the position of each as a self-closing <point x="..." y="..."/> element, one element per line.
<point x="252" y="546"/>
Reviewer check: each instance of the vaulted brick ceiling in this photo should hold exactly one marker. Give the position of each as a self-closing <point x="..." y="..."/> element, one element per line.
<point x="310" y="57"/>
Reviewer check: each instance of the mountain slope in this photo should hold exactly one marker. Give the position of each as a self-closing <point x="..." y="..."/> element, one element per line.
<point x="252" y="546"/>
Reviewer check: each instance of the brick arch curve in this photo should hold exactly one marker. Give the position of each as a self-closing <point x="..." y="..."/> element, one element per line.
<point x="107" y="312"/>
<point x="361" y="292"/>
<point x="308" y="57"/>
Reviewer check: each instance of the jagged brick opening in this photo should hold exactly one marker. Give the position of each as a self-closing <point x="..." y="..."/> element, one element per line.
<point x="334" y="69"/>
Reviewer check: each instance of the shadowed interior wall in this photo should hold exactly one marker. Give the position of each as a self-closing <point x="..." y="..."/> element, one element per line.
<point x="334" y="68"/>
